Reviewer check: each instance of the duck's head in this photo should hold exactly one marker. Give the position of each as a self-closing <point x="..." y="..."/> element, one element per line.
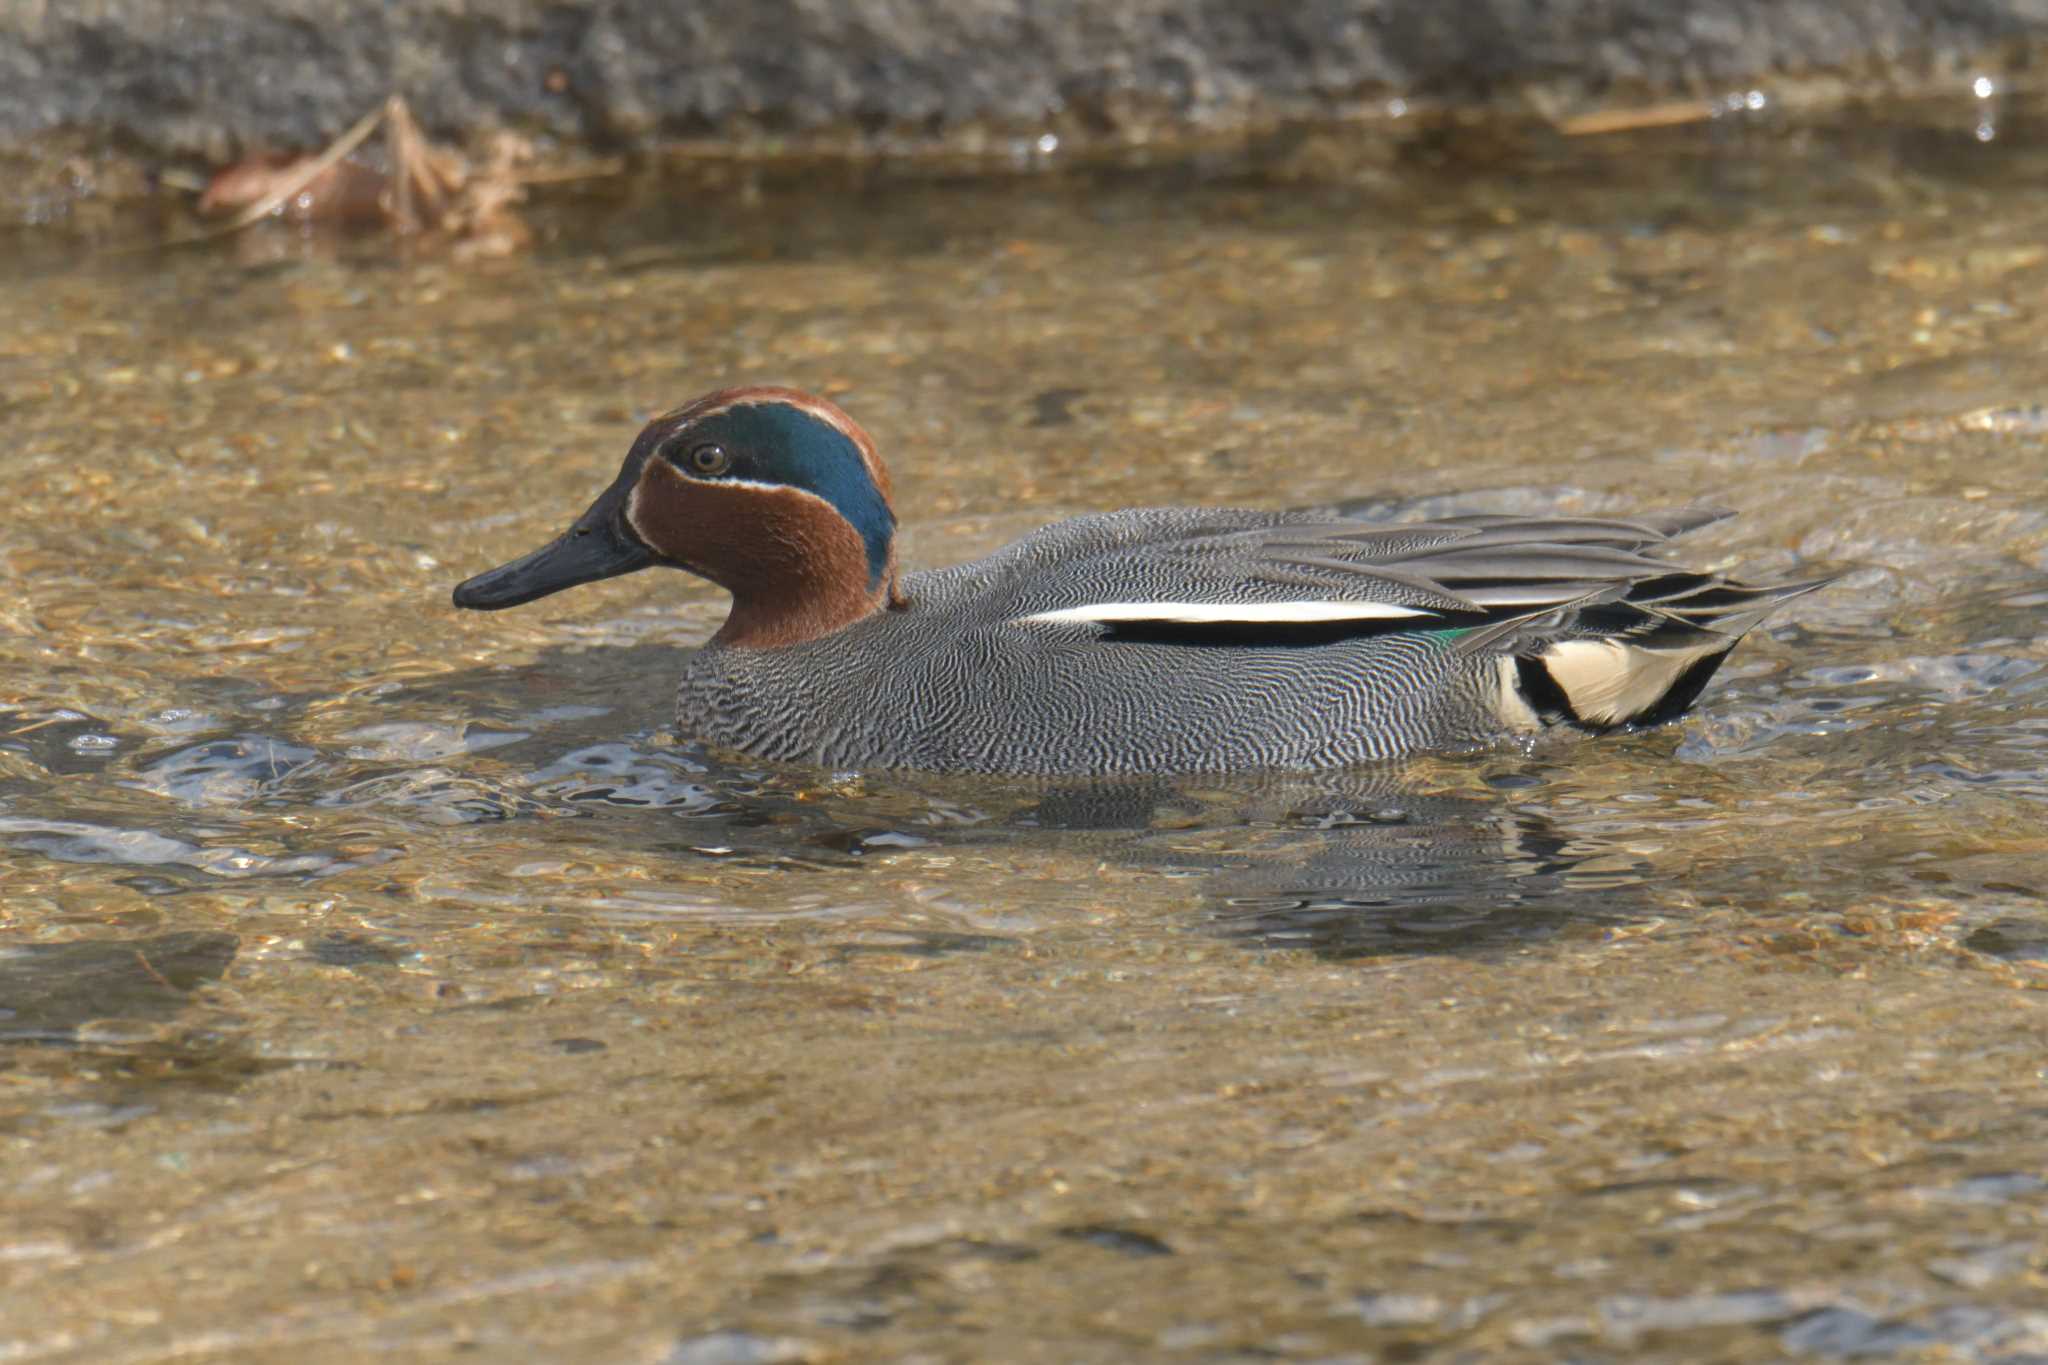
<point x="770" y="493"/>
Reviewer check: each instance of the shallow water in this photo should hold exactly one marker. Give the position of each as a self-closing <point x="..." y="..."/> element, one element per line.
<point x="382" y="979"/>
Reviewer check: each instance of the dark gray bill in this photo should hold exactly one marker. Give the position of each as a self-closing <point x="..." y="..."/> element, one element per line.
<point x="595" y="547"/>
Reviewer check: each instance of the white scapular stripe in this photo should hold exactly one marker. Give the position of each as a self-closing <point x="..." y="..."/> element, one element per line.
<point x="1225" y="613"/>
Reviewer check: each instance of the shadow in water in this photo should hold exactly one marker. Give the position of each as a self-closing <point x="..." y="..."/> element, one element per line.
<point x="1444" y="880"/>
<point x="48" y="991"/>
<point x="111" y="1026"/>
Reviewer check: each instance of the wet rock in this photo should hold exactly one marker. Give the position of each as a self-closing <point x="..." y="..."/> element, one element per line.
<point x="2013" y="938"/>
<point x="617" y="773"/>
<point x="1123" y="1241"/>
<point x="856" y="843"/>
<point x="352" y="950"/>
<point x="215" y="76"/>
<point x="79" y="841"/>
<point x="60" y="741"/>
<point x="925" y="943"/>
<point x="1398" y="1310"/>
<point x="1985" y="1266"/>
<point x="736" y="1348"/>
<point x="224" y="771"/>
<point x="1851" y="1332"/>
<point x="972" y="1249"/>
<point x="1627" y="1317"/>
<point x="1055" y="407"/>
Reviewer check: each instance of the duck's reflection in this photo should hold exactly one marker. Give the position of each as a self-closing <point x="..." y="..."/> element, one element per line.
<point x="1361" y="864"/>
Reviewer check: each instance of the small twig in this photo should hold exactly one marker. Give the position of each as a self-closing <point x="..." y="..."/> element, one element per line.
<point x="412" y="171"/>
<point x="562" y="175"/>
<point x="154" y="974"/>
<point x="1626" y="120"/>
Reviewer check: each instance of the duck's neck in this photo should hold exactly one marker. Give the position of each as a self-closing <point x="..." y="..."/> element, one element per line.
<point x="795" y="574"/>
<point x="767" y="616"/>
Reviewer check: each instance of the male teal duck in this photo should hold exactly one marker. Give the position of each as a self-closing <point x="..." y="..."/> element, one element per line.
<point x="1156" y="640"/>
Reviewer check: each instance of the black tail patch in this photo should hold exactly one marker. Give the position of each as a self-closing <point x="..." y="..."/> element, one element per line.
<point x="1683" y="693"/>
<point x="1553" y="705"/>
<point x="1543" y="694"/>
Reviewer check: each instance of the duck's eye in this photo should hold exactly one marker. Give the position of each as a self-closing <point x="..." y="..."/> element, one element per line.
<point x="709" y="459"/>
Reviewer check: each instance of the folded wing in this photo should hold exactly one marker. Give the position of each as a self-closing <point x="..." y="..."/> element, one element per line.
<point x="1588" y="625"/>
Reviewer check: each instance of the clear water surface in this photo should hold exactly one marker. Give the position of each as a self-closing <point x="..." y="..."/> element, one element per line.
<point x="381" y="981"/>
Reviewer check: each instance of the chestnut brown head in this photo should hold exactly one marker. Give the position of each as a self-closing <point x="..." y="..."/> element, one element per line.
<point x="773" y="494"/>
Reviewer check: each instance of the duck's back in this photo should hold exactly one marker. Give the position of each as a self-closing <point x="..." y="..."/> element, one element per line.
<point x="1182" y="640"/>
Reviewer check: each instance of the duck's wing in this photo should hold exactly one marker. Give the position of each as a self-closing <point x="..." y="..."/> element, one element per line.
<point x="1223" y="568"/>
<point x="1600" y="630"/>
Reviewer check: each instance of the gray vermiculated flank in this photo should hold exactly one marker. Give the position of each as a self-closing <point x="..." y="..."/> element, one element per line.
<point x="957" y="683"/>
<point x="197" y="76"/>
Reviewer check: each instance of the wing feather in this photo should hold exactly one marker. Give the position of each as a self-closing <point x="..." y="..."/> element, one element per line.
<point x="1510" y="585"/>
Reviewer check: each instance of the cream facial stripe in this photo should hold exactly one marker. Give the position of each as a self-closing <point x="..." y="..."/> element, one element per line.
<point x="641" y="529"/>
<point x="1224" y="613"/>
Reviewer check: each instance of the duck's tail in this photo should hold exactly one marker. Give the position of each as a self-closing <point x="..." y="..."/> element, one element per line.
<point x="1638" y="658"/>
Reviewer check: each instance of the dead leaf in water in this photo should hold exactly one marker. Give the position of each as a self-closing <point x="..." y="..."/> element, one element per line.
<point x="430" y="191"/>
<point x="292" y="188"/>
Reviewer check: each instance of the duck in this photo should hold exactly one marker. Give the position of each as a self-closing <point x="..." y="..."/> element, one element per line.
<point x="1159" y="640"/>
